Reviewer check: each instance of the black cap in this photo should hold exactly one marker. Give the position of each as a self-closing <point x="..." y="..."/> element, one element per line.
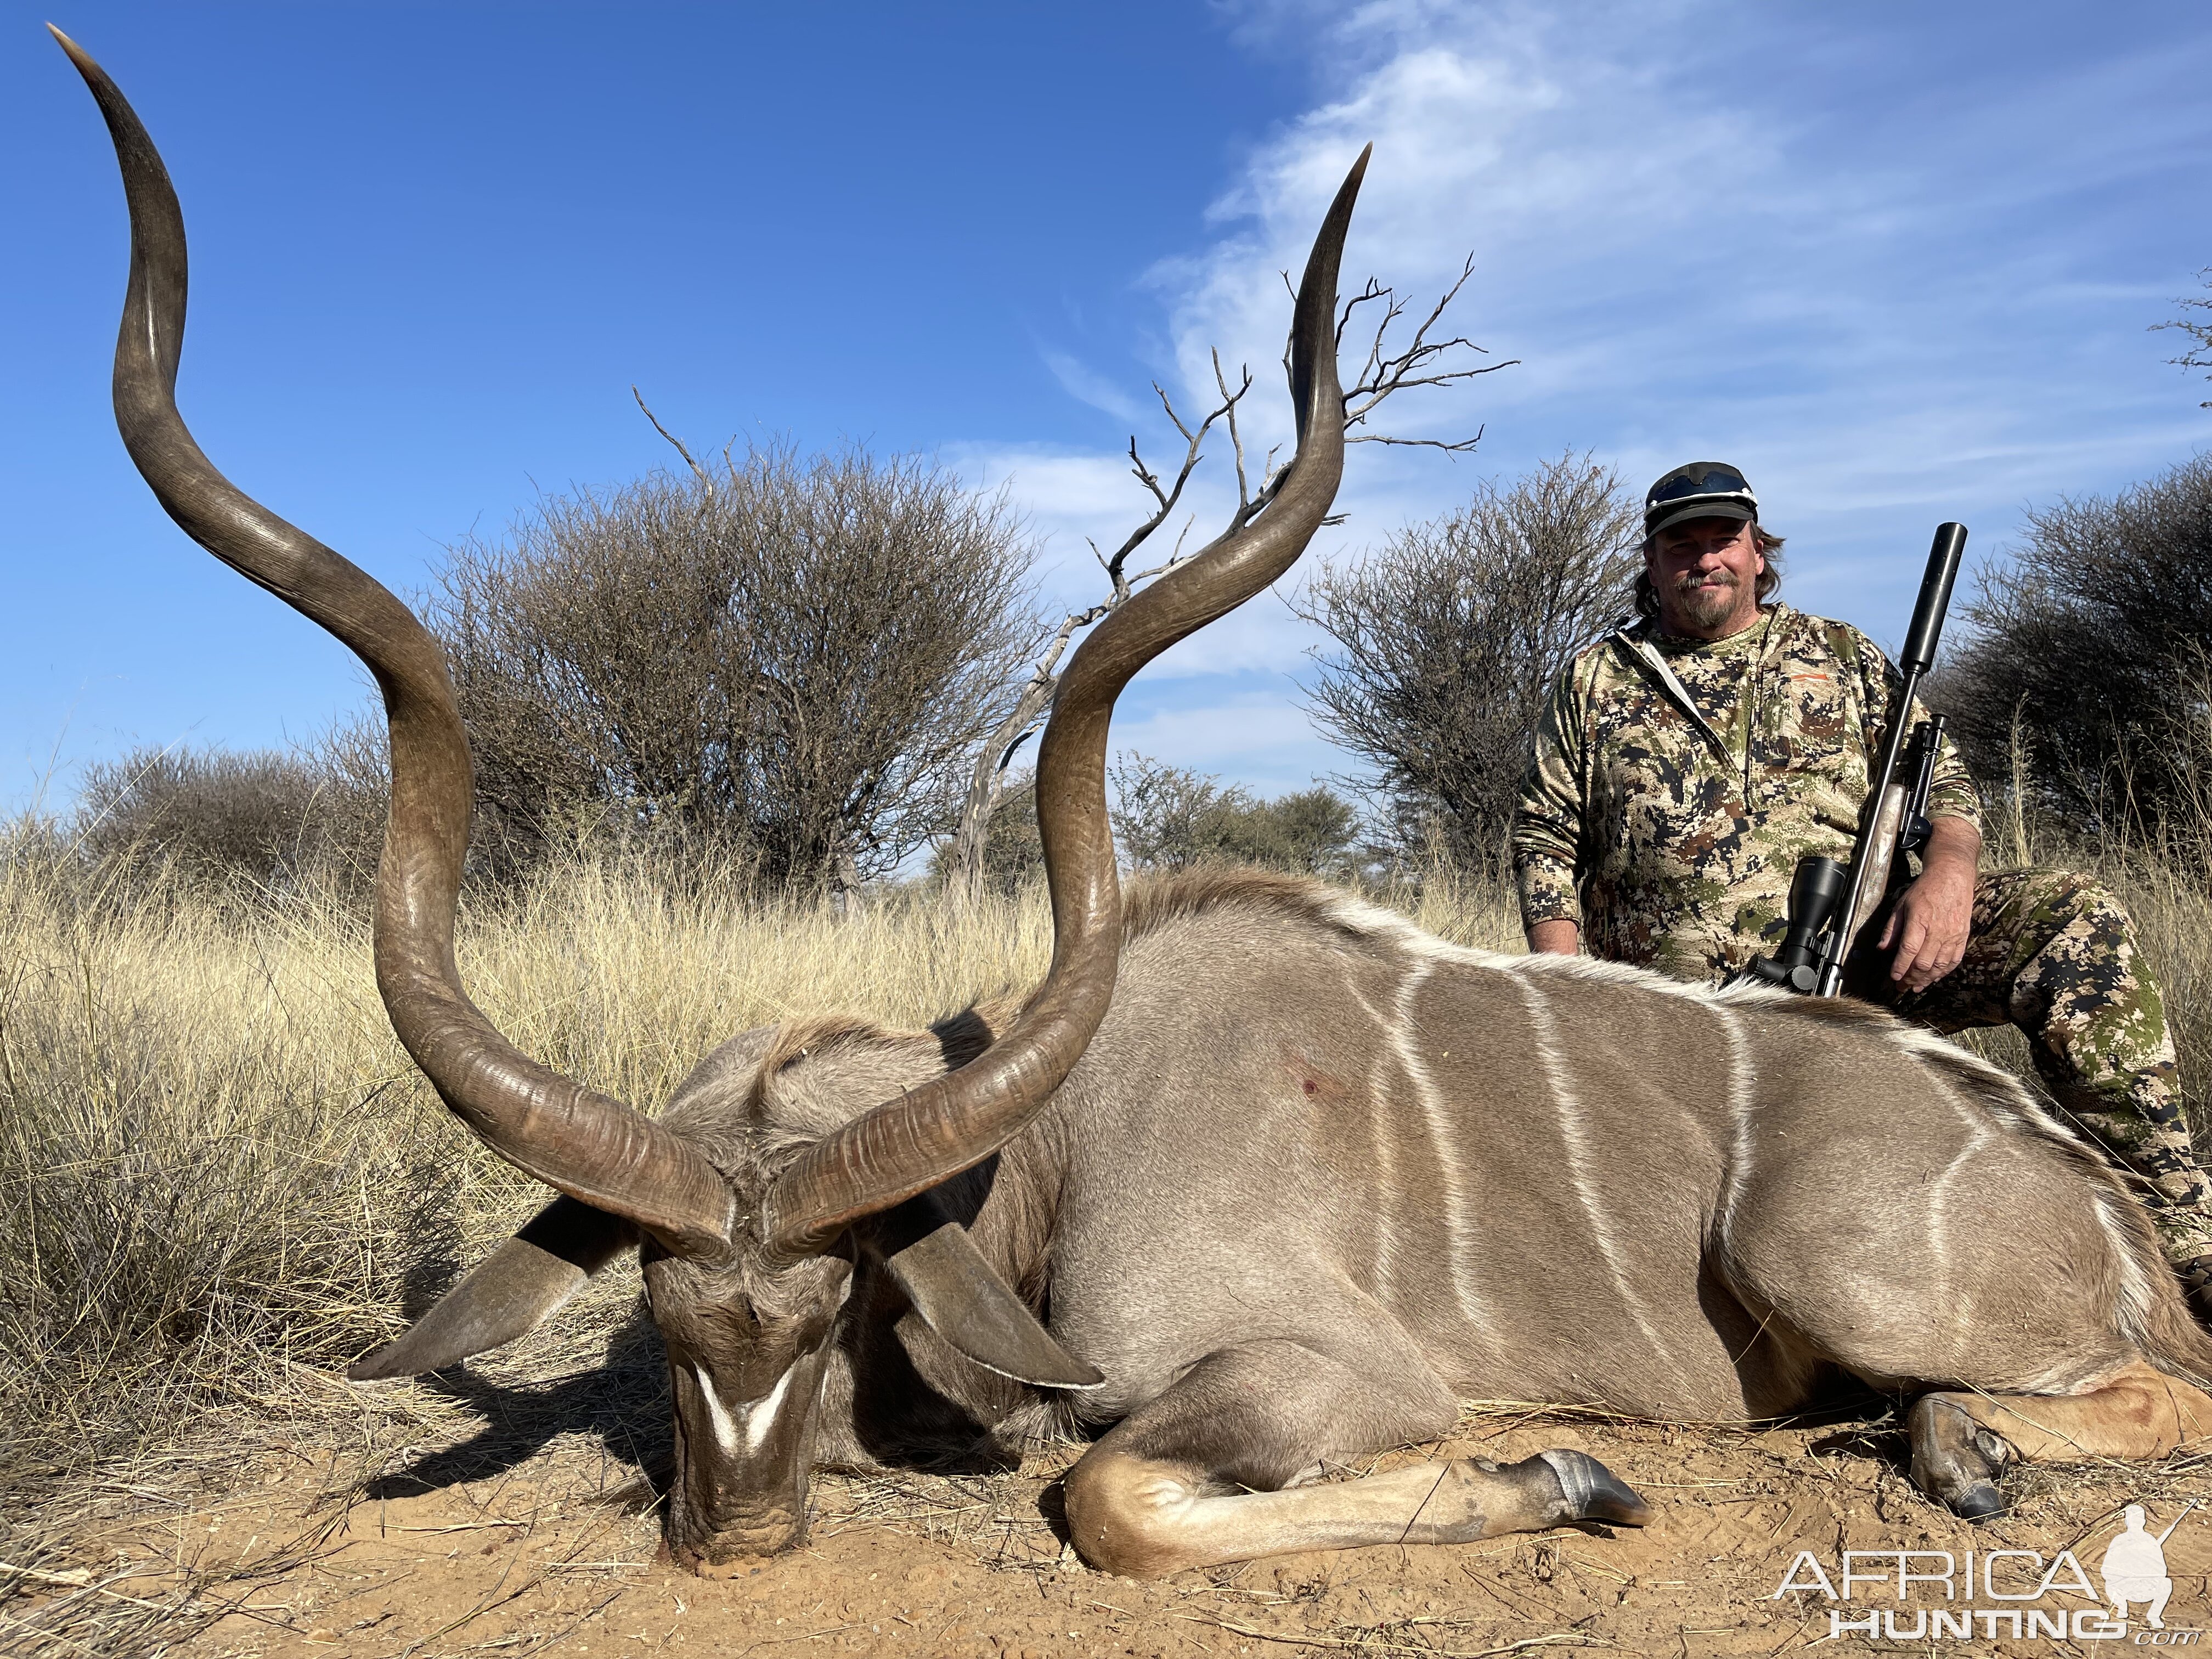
<point x="1701" y="489"/>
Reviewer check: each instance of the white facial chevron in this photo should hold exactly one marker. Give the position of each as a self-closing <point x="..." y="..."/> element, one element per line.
<point x="742" y="1430"/>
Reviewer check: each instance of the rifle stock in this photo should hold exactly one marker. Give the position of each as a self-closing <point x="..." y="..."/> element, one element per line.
<point x="1880" y="855"/>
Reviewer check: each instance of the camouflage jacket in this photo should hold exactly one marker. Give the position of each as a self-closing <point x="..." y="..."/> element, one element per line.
<point x="1670" y="834"/>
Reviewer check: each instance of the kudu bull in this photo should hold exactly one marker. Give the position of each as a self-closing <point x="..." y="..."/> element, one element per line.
<point x="1314" y="1178"/>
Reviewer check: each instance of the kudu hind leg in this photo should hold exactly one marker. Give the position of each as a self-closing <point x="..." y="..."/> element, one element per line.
<point x="1161" y="1491"/>
<point x="1961" y="1441"/>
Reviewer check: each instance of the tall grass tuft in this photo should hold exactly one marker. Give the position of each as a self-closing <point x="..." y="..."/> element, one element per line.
<point x="217" y="1165"/>
<point x="2159" y="868"/>
<point x="211" y="1158"/>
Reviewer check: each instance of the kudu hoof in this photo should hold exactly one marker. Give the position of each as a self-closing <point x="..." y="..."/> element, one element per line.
<point x="1592" y="1492"/>
<point x="1979" y="1502"/>
<point x="1955" y="1461"/>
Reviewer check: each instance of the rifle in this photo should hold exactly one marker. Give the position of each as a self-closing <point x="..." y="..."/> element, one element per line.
<point x="1814" y="952"/>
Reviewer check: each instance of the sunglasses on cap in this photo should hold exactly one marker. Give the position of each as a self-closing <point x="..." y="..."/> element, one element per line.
<point x="1698" y="479"/>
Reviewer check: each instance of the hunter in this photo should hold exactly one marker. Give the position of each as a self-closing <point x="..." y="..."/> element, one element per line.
<point x="1684" y="763"/>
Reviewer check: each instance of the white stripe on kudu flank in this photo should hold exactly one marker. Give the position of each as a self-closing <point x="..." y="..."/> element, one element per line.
<point x="1740" y="1097"/>
<point x="1407" y="1044"/>
<point x="1576" y="1138"/>
<point x="1382" y="1147"/>
<point x="744" y="1430"/>
<point x="1939" y="1199"/>
<point x="1380" y="1084"/>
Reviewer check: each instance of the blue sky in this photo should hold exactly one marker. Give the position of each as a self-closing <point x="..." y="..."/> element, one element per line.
<point x="1898" y="261"/>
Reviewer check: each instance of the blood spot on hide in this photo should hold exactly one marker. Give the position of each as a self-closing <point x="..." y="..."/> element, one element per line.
<point x="1313" y="1082"/>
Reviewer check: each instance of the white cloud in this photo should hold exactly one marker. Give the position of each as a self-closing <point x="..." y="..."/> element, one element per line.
<point x="1821" y="272"/>
<point x="1086" y="385"/>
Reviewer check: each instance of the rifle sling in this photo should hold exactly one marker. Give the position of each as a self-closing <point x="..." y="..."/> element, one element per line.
<point x="1649" y="659"/>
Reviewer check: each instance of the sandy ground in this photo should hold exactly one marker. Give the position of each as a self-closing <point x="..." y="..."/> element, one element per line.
<point x="512" y="1540"/>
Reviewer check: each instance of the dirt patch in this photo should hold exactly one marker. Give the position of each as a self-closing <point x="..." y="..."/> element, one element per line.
<point x="431" y="1550"/>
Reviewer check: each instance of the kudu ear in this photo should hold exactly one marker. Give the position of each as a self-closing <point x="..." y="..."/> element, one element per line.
<point x="961" y="1297"/>
<point x="516" y="1288"/>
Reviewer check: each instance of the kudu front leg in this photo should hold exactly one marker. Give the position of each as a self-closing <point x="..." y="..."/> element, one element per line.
<point x="1146" y="1516"/>
<point x="1203" y="1474"/>
<point x="1961" y="1442"/>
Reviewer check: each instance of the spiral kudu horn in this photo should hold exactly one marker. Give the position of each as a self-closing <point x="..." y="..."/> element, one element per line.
<point x="906" y="1145"/>
<point x="591" y="1147"/>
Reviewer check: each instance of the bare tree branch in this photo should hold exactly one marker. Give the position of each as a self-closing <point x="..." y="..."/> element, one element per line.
<point x="1387" y="369"/>
<point x="2198" y="356"/>
<point x="1194" y="447"/>
<point x="697" y="471"/>
<point x="963" y="860"/>
<point x="1235" y="440"/>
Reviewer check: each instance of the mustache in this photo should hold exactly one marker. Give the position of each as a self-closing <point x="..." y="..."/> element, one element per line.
<point x="1690" y="579"/>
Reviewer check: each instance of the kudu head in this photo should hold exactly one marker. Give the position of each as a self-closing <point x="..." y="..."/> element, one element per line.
<point x="748" y="1244"/>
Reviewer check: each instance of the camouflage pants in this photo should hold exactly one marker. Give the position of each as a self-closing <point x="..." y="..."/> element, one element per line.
<point x="2054" y="954"/>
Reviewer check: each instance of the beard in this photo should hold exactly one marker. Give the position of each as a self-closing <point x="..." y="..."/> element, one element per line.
<point x="1706" y="600"/>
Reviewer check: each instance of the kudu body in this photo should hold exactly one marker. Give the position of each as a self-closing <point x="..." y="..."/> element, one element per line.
<point x="1319" y="1177"/>
<point x="1312" y="1178"/>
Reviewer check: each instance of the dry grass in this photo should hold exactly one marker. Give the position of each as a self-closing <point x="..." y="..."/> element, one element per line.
<point x="220" y="1178"/>
<point x="2162" y="874"/>
<point x="217" y="1165"/>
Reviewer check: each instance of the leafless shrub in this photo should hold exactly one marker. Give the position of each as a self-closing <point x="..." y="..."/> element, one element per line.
<point x="2154" y="861"/>
<point x="2083" y="641"/>
<point x="792" y="656"/>
<point x="264" y="820"/>
<point x="1447" y="639"/>
<point x="1170" y="817"/>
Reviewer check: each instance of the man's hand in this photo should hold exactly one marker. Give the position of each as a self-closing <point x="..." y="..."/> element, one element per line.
<point x="1930" y="924"/>
<point x="1558" y="937"/>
